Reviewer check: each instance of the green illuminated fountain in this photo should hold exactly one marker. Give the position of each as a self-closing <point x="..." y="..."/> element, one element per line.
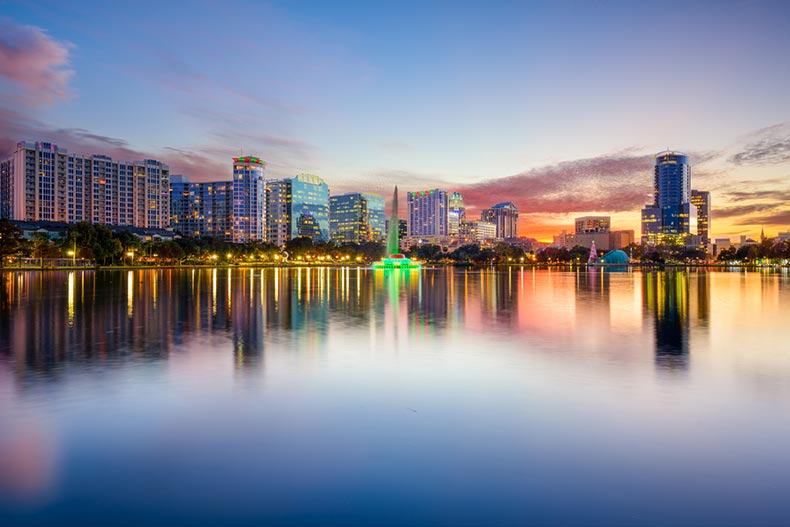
<point x="394" y="258"/>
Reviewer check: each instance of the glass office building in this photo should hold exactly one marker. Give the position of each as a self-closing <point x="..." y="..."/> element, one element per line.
<point x="309" y="207"/>
<point x="201" y="209"/>
<point x="671" y="218"/>
<point x="357" y="217"/>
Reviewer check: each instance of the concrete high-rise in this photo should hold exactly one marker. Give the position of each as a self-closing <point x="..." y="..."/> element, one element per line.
<point x="278" y="208"/>
<point x="505" y="216"/>
<point x="427" y="213"/>
<point x="671" y="218"/>
<point x="249" y="199"/>
<point x="356" y="217"/>
<point x="42" y="182"/>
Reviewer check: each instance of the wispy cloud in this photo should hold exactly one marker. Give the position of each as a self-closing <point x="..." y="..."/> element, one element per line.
<point x="34" y="63"/>
<point x="768" y="146"/>
<point x="777" y="217"/>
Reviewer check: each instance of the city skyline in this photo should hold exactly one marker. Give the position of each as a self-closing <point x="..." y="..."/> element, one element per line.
<point x="323" y="94"/>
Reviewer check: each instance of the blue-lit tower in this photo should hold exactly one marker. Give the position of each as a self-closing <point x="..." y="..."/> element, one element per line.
<point x="672" y="217"/>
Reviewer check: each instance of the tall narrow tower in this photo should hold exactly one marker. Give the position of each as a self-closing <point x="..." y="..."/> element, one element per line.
<point x="393" y="247"/>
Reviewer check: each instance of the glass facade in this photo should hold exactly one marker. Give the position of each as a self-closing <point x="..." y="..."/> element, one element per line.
<point x="672" y="216"/>
<point x="356" y="218"/>
<point x="309" y="207"/>
<point x="202" y="209"/>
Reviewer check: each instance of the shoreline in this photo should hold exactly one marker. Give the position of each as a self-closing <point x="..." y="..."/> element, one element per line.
<point x="649" y="266"/>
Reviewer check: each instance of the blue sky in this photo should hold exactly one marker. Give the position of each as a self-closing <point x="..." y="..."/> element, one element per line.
<point x="495" y="99"/>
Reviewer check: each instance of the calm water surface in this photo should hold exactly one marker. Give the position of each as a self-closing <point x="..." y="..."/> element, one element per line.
<point x="350" y="396"/>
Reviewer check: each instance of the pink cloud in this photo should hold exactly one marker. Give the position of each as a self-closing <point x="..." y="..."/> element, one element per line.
<point x="615" y="183"/>
<point x="34" y="61"/>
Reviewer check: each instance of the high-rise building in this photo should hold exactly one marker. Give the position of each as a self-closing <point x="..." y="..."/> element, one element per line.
<point x="456" y="214"/>
<point x="309" y="207"/>
<point x="278" y="208"/>
<point x="701" y="200"/>
<point x="589" y="224"/>
<point x="297" y="206"/>
<point x="671" y="218"/>
<point x="42" y="182"/>
<point x="505" y="216"/>
<point x="356" y="217"/>
<point x="249" y="199"/>
<point x="201" y="209"/>
<point x="427" y="213"/>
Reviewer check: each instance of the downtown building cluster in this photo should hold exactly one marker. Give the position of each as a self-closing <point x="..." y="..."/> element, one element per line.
<point x="252" y="208"/>
<point x="678" y="215"/>
<point x="436" y="216"/>
<point x="40" y="182"/>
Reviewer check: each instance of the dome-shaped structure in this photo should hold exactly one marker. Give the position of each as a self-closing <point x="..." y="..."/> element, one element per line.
<point x="616" y="257"/>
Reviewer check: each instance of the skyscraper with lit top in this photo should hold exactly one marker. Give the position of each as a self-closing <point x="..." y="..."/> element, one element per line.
<point x="249" y="199"/>
<point x="456" y="214"/>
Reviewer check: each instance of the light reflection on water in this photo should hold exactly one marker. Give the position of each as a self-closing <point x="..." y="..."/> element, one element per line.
<point x="344" y="395"/>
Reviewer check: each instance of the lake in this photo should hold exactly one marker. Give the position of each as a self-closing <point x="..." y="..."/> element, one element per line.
<point x="346" y="396"/>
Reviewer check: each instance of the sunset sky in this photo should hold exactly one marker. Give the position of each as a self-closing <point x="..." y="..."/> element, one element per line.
<point x="556" y="106"/>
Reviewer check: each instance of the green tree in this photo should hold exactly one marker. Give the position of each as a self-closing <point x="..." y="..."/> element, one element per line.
<point x="129" y="242"/>
<point x="43" y="247"/>
<point x="11" y="241"/>
<point x="465" y="253"/>
<point x="170" y="251"/>
<point x="508" y="253"/>
<point x="428" y="252"/>
<point x="299" y="246"/>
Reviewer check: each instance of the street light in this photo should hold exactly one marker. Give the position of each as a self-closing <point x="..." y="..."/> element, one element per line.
<point x="130" y="254"/>
<point x="73" y="254"/>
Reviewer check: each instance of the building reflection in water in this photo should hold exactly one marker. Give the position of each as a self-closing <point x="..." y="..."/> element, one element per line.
<point x="117" y="316"/>
<point x="676" y="300"/>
